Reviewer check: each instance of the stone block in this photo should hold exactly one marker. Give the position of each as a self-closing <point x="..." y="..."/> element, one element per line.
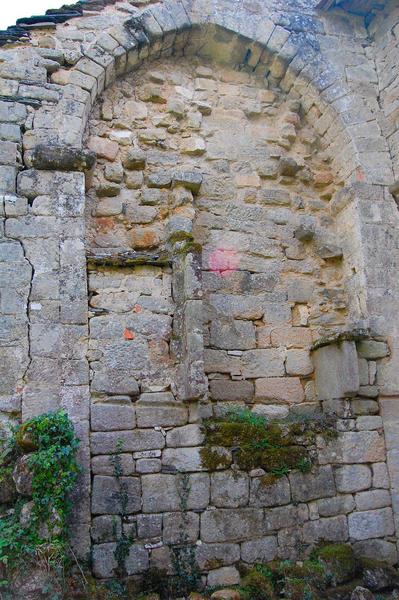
<point x="149" y="526"/>
<point x="130" y="441"/>
<point x="110" y="417"/>
<point x="380" y="476"/>
<point x="291" y="337"/>
<point x="261" y="550"/>
<point x="225" y="576"/>
<point x="373" y="499"/>
<point x="104" y="561"/>
<point x="311" y="486"/>
<point x="282" y="517"/>
<point x="339" y="505"/>
<point x="207" y="555"/>
<point x="229" y="489"/>
<point x="137" y="560"/>
<point x="102" y="465"/>
<point x="148" y="465"/>
<point x="298" y="362"/>
<point x="188" y="435"/>
<point x="233" y="334"/>
<point x="106" y="494"/>
<point x="333" y="529"/>
<point x="372" y="350"/>
<point x="368" y="423"/>
<point x="336" y="371"/>
<point x="267" y="362"/>
<point x="224" y="389"/>
<point x="8" y="175"/>
<point x="231" y="525"/>
<point x="155" y="415"/>
<point x="284" y="390"/>
<point x="103" y="147"/>
<point x="182" y="459"/>
<point x="191" y="180"/>
<point x="371" y="524"/>
<point x="162" y="492"/>
<point x="354" y="447"/>
<point x="180" y="527"/>
<point x="105" y="528"/>
<point x="353" y="478"/>
<point x="265" y="495"/>
<point x="386" y="551"/>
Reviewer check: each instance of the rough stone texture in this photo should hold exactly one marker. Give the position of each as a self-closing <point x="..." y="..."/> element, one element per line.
<point x="291" y="239"/>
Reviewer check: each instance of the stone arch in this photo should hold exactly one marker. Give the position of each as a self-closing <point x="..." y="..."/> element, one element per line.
<point x="292" y="57"/>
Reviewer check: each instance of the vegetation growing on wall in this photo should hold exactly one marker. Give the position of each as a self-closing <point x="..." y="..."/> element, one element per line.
<point x="41" y="453"/>
<point x="254" y="442"/>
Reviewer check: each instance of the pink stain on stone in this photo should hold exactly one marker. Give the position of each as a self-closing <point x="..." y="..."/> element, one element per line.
<point x="223" y="261"/>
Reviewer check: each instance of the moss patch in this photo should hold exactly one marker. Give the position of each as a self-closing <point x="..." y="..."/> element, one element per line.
<point x="277" y="447"/>
<point x="339" y="562"/>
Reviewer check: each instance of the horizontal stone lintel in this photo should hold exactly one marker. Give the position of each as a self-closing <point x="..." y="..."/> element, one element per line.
<point x="127" y="259"/>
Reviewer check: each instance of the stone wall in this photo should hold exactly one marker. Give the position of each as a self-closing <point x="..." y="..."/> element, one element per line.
<point x="234" y="244"/>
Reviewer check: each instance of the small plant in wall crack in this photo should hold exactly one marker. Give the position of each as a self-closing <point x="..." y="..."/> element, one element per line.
<point x="186" y="573"/>
<point x="41" y="455"/>
<point x="123" y="541"/>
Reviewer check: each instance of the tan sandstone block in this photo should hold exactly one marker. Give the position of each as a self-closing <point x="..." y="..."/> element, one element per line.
<point x="103" y="148"/>
<point x="279" y="389"/>
<point x="296" y="337"/>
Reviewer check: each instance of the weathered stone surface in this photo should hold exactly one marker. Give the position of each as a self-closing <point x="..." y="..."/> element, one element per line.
<point x="229" y="489"/>
<point x="261" y="550"/>
<point x="372" y="499"/>
<point x="285" y="390"/>
<point x="233" y="335"/>
<point x="336" y="371"/>
<point x="161" y="492"/>
<point x="189" y="435"/>
<point x="372" y="349"/>
<point x="361" y="593"/>
<point x="354" y="447"/>
<point x="106" y="494"/>
<point x="333" y="529"/>
<point x="22" y="476"/>
<point x="310" y="486"/>
<point x="266" y="495"/>
<point x="109" y="417"/>
<point x="130" y="441"/>
<point x="105" y="528"/>
<point x="102" y="465"/>
<point x="386" y="551"/>
<point x="224" y="525"/>
<point x="104" y="561"/>
<point x="338" y="505"/>
<point x="137" y="560"/>
<point x="211" y="554"/>
<point x="180" y="528"/>
<point x="223" y="576"/>
<point x="149" y="526"/>
<point x="62" y="158"/>
<point x="182" y="459"/>
<point x="222" y="389"/>
<point x="103" y="148"/>
<point x="371" y="524"/>
<point x="353" y="478"/>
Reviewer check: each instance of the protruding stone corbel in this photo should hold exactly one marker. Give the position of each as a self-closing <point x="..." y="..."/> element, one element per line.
<point x="62" y="158"/>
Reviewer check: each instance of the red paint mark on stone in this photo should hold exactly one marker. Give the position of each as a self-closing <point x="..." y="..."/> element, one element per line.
<point x="224" y="261"/>
<point x="128" y="335"/>
<point x="137" y="308"/>
<point x="360" y="174"/>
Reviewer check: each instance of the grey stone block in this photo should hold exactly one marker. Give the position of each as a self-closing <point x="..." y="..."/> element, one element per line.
<point x="310" y="486"/>
<point x="106" y="494"/>
<point x="231" y="525"/>
<point x="130" y="441"/>
<point x="233" y="335"/>
<point x="182" y="459"/>
<point x="188" y="435"/>
<point x="354" y="447"/>
<point x="211" y="554"/>
<point x="333" y="529"/>
<point x="386" y="551"/>
<point x="373" y="499"/>
<point x="149" y="526"/>
<point x="179" y="528"/>
<point x="276" y="494"/>
<point x="229" y="489"/>
<point x="137" y="560"/>
<point x="162" y="492"/>
<point x="105" y="528"/>
<point x="353" y="478"/>
<point x="102" y="465"/>
<point x="104" y="561"/>
<point x="371" y="524"/>
<point x="336" y="371"/>
<point x="223" y="389"/>
<point x="339" y="505"/>
<point x="148" y="465"/>
<point x="261" y="550"/>
<point x="225" y="576"/>
<point x="372" y="350"/>
<point x="109" y="417"/>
